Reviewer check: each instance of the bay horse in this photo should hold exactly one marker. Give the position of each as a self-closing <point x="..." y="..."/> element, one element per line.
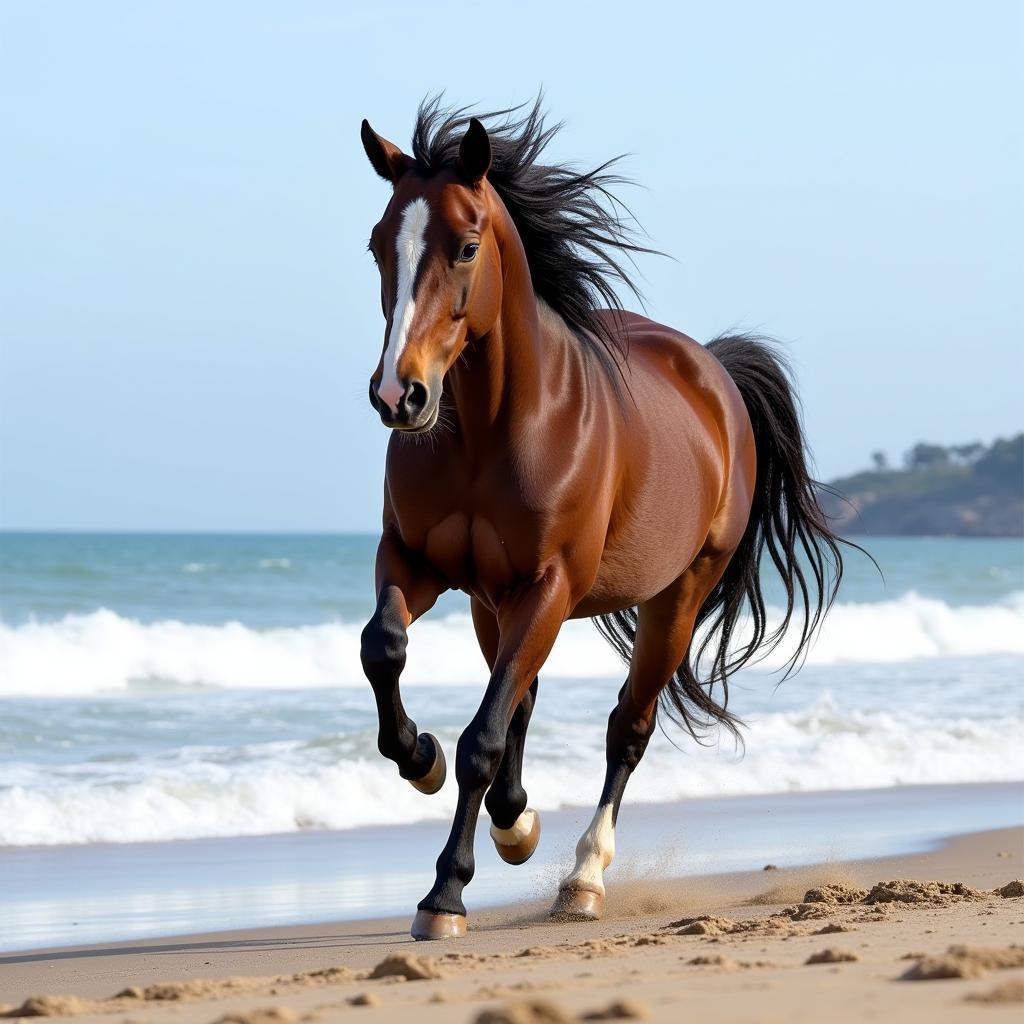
<point x="556" y="460"/>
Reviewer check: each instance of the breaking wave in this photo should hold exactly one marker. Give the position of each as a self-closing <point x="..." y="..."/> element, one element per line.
<point x="339" y="781"/>
<point x="103" y="652"/>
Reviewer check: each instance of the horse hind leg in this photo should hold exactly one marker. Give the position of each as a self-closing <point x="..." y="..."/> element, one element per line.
<point x="663" y="633"/>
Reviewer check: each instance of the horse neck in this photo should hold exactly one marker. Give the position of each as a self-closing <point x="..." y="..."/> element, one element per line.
<point x="499" y="382"/>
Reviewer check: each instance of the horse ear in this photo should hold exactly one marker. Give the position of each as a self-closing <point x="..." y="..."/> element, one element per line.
<point x="474" y="152"/>
<point x="387" y="159"/>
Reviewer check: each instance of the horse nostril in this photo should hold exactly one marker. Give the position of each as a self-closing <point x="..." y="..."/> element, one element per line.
<point x="374" y="400"/>
<point x="415" y="398"/>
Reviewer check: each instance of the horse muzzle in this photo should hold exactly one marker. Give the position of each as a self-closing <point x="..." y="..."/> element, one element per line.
<point x="406" y="405"/>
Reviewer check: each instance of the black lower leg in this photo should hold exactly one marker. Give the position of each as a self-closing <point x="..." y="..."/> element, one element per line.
<point x="506" y="799"/>
<point x="629" y="732"/>
<point x="382" y="652"/>
<point x="480" y="751"/>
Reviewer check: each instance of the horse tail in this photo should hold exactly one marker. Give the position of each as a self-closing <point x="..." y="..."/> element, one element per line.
<point x="786" y="521"/>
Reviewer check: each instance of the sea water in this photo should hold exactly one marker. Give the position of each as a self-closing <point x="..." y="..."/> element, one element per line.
<point x="157" y="687"/>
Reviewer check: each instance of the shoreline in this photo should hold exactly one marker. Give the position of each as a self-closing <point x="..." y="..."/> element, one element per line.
<point x="514" y="952"/>
<point x="96" y="893"/>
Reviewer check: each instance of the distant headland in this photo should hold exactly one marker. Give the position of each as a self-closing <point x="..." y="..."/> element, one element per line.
<point x="967" y="490"/>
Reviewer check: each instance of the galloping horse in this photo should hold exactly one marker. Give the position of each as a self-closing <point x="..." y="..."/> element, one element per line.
<point x="556" y="460"/>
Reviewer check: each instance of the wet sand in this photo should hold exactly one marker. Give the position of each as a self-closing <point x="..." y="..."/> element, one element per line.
<point x="100" y="893"/>
<point x="746" y="946"/>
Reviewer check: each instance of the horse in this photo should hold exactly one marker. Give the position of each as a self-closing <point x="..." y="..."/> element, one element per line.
<point x="555" y="456"/>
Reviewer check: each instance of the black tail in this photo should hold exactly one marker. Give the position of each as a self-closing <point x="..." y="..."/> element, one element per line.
<point x="786" y="520"/>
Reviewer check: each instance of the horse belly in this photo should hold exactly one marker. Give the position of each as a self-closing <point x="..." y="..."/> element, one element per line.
<point x="661" y="524"/>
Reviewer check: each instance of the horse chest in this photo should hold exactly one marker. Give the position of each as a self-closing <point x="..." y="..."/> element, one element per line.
<point x="472" y="553"/>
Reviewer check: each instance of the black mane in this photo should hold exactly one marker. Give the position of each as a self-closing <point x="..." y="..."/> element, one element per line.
<point x="571" y="225"/>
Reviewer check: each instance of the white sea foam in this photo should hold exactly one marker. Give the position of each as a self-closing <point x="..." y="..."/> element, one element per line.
<point x="275" y="563"/>
<point x="285" y="787"/>
<point x="104" y="652"/>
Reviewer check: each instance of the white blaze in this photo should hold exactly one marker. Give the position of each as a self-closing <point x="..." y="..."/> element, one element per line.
<point x="410" y="246"/>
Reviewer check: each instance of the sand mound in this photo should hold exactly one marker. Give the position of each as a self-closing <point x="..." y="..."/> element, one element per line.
<point x="541" y="952"/>
<point x="807" y="912"/>
<point x="365" y="999"/>
<point x="715" y="960"/>
<point x="405" y="965"/>
<point x="323" y="976"/>
<point x="934" y="968"/>
<point x="727" y="964"/>
<point x="173" y="991"/>
<point x="1007" y="994"/>
<point x="824" y="900"/>
<point x="51" y="1006"/>
<point x="993" y="959"/>
<point x="703" y="925"/>
<point x="1011" y="889"/>
<point x="964" y="962"/>
<point x="777" y="925"/>
<point x="835" y="893"/>
<point x="620" y="1009"/>
<point x="532" y="1011"/>
<point x="832" y="956"/>
<point x="266" y="1015"/>
<point x="936" y="894"/>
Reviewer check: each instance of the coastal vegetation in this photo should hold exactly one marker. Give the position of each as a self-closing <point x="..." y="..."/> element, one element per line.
<point x="966" y="490"/>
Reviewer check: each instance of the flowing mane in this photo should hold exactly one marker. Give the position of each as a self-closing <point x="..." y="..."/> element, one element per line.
<point x="578" y="236"/>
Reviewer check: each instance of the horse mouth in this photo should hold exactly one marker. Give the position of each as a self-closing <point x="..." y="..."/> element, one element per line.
<point x="419" y="428"/>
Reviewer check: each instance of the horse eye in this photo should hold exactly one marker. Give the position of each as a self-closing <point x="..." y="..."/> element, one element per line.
<point x="469" y="252"/>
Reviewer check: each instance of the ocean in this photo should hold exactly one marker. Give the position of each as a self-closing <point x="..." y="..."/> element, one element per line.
<point x="159" y="687"/>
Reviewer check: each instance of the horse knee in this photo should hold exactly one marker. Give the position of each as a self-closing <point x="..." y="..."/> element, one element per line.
<point x="477" y="757"/>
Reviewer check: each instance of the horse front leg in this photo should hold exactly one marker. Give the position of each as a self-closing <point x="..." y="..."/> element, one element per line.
<point x="528" y="625"/>
<point x="515" y="828"/>
<point x="404" y="593"/>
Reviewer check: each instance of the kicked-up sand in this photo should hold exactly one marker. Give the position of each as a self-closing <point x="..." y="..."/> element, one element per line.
<point x="927" y="937"/>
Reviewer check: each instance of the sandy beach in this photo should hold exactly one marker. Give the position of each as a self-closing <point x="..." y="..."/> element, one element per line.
<point x="938" y="934"/>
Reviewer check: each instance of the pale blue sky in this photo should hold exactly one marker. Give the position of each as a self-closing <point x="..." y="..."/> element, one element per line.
<point x="188" y="318"/>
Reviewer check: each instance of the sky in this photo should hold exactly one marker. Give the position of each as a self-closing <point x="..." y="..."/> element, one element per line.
<point x="188" y="315"/>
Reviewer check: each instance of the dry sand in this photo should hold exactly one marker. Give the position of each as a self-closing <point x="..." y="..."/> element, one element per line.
<point x="919" y="938"/>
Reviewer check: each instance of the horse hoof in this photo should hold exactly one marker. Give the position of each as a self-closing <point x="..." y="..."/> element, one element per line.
<point x="427" y="926"/>
<point x="573" y="904"/>
<point x="434" y="778"/>
<point x="515" y="845"/>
